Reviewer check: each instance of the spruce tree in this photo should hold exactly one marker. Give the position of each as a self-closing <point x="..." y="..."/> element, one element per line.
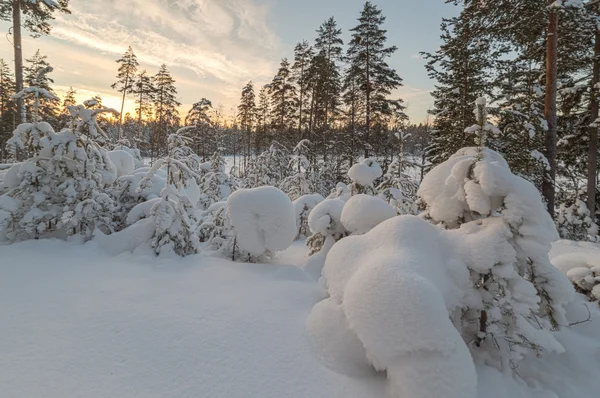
<point x="125" y="77"/>
<point x="460" y="68"/>
<point x="367" y="56"/>
<point x="35" y="17"/>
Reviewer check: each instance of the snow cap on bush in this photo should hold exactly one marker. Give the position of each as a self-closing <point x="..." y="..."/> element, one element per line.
<point x="263" y="218"/>
<point x="365" y="172"/>
<point x="364" y="212"/>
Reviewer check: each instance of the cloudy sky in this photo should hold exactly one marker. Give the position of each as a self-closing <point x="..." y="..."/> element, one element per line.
<point x="214" y="47"/>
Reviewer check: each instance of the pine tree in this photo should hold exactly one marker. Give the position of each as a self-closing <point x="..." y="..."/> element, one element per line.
<point x="328" y="45"/>
<point x="303" y="54"/>
<point x="367" y="56"/>
<point x="69" y="100"/>
<point x="246" y="115"/>
<point x="37" y="16"/>
<point x="48" y="108"/>
<point x="126" y="77"/>
<point x="165" y="107"/>
<point x="198" y="117"/>
<point x="8" y="108"/>
<point x="263" y="119"/>
<point x="283" y="98"/>
<point x="144" y="91"/>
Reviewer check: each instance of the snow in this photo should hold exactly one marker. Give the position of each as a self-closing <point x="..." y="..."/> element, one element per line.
<point x="77" y="321"/>
<point x="395" y="286"/>
<point x="326" y="217"/>
<point x="365" y="172"/>
<point x="263" y="218"/>
<point x="123" y="161"/>
<point x="363" y="212"/>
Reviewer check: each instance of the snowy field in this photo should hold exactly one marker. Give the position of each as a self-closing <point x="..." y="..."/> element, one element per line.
<point x="76" y="322"/>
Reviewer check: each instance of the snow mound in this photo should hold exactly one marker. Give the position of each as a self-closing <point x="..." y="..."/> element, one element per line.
<point x="364" y="212"/>
<point x="444" y="189"/>
<point x="583" y="270"/>
<point x="123" y="162"/>
<point x="263" y="218"/>
<point x="365" y="172"/>
<point x="397" y="286"/>
<point x="326" y="217"/>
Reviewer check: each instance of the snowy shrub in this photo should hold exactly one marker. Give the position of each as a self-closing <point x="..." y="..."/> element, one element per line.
<point x="583" y="270"/>
<point x="302" y="208"/>
<point x="363" y="176"/>
<point x="299" y="182"/>
<point x="393" y="292"/>
<point x="269" y="168"/>
<point x="125" y="145"/>
<point x="123" y="161"/>
<point x="574" y="222"/>
<point x="59" y="190"/>
<point x="254" y="225"/>
<point x="173" y="214"/>
<point x="506" y="233"/>
<point x="341" y="191"/>
<point x="213" y="223"/>
<point x="216" y="186"/>
<point x="325" y="223"/>
<point x="398" y="189"/>
<point x="364" y="212"/>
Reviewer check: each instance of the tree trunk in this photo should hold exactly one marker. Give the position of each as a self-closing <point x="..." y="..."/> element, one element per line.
<point x="593" y="148"/>
<point x="368" y="106"/>
<point x="550" y="109"/>
<point x="122" y="107"/>
<point x="16" y="19"/>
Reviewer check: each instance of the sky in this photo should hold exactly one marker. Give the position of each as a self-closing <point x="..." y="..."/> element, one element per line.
<point x="214" y="47"/>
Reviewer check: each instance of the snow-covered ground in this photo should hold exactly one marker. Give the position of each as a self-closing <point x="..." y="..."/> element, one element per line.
<point x="77" y="322"/>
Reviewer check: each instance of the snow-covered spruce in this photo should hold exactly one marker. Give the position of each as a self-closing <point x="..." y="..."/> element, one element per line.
<point x="398" y="189"/>
<point x="269" y="168"/>
<point x="59" y="191"/>
<point x="216" y="185"/>
<point x="505" y="233"/>
<point x="363" y="176"/>
<point x="392" y="292"/>
<point x="255" y="224"/>
<point x="299" y="182"/>
<point x="173" y="214"/>
<point x="575" y="222"/>
<point x="303" y="206"/>
<point x="325" y="223"/>
<point x="364" y="212"/>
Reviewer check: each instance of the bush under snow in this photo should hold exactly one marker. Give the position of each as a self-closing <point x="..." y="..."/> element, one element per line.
<point x="364" y="212"/>
<point x="583" y="270"/>
<point x="363" y="176"/>
<point x="263" y="219"/>
<point x="394" y="289"/>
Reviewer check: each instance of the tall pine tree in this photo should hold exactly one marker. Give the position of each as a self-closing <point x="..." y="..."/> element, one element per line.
<point x="165" y="107"/>
<point x="367" y="56"/>
<point x="125" y="77"/>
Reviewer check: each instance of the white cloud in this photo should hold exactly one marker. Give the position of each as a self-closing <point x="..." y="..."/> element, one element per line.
<point x="212" y="46"/>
